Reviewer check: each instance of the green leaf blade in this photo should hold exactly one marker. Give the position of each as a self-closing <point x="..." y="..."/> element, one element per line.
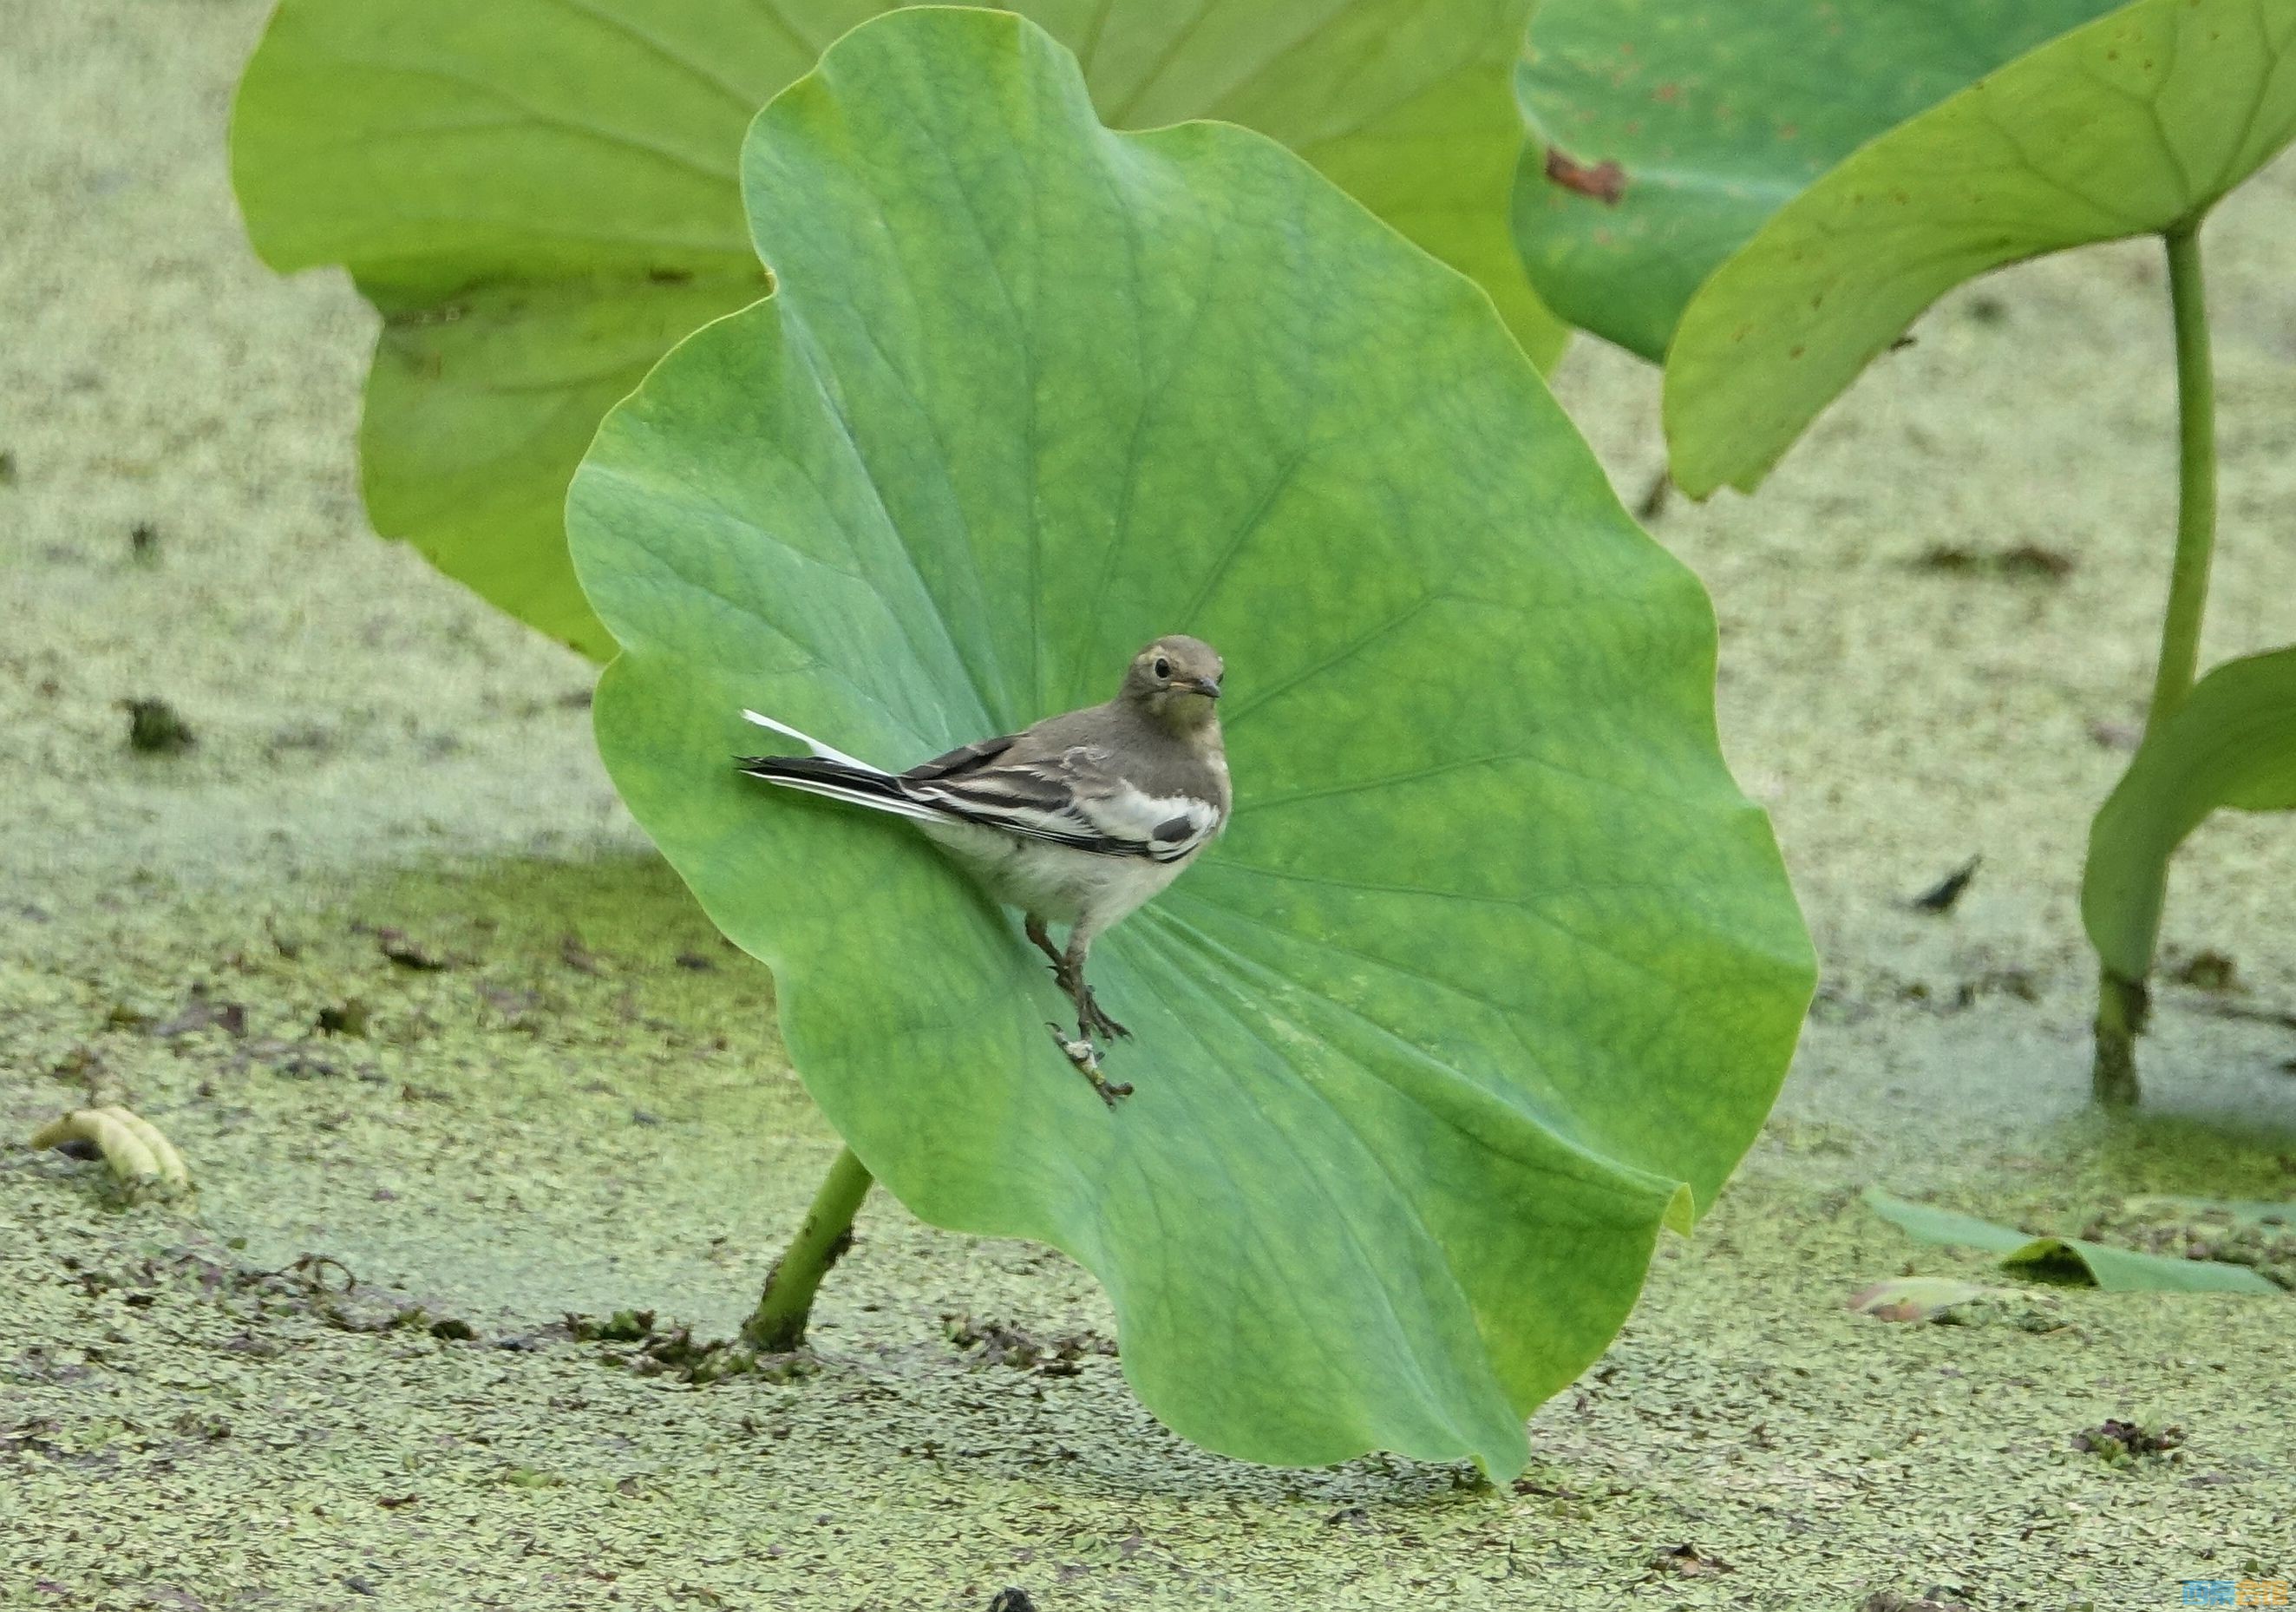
<point x="1933" y="1224"/>
<point x="1495" y="967"/>
<point x="1715" y="118"/>
<point x="2231" y="742"/>
<point x="2113" y="1269"/>
<point x="2135" y="123"/>
<point x="2096" y="1264"/>
<point x="541" y="196"/>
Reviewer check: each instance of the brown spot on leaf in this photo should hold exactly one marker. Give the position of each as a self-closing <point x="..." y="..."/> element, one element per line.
<point x="1605" y="181"/>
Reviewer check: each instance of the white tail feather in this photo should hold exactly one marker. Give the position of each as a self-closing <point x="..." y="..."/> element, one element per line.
<point x="875" y="802"/>
<point x="819" y="749"/>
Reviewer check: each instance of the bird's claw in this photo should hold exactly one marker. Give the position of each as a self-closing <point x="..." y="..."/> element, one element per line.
<point x="1086" y="1056"/>
<point x="1093" y="1021"/>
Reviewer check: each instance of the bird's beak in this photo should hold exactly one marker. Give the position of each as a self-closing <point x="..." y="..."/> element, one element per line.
<point x="1207" y="686"/>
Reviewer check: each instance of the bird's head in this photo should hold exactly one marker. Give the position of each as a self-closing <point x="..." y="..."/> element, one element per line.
<point x="1175" y="679"/>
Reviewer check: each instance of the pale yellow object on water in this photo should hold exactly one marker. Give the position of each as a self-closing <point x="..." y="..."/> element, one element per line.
<point x="130" y="1143"/>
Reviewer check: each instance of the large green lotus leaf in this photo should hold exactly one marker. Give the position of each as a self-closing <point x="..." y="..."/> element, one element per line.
<point x="540" y="197"/>
<point x="2068" y="1258"/>
<point x="1495" y="972"/>
<point x="2231" y="742"/>
<point x="1710" y="119"/>
<point x="2132" y="124"/>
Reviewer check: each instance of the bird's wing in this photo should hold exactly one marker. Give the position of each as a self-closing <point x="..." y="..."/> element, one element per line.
<point x="1072" y="797"/>
<point x="965" y="758"/>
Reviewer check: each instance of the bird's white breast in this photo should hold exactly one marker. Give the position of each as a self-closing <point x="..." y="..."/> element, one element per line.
<point x="1058" y="882"/>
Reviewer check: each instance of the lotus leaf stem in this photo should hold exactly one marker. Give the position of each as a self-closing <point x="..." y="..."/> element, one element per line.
<point x="777" y="1325"/>
<point x="2122" y="1002"/>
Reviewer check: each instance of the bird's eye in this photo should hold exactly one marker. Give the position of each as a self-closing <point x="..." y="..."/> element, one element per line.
<point x="1163" y="667"/>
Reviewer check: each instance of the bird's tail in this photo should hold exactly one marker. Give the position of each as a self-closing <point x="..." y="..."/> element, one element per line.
<point x="832" y="773"/>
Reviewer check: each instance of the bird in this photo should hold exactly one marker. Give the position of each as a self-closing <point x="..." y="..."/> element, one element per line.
<point x="1079" y="819"/>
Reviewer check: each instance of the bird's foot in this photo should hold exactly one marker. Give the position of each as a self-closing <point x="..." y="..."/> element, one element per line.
<point x="1086" y="1056"/>
<point x="1090" y="1018"/>
<point x="1092" y="1021"/>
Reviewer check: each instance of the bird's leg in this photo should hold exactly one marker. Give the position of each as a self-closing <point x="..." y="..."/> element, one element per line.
<point x="1090" y="1020"/>
<point x="1068" y="969"/>
<point x="1035" y="926"/>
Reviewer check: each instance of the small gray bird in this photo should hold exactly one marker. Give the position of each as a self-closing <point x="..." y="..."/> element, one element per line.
<point x="1078" y="820"/>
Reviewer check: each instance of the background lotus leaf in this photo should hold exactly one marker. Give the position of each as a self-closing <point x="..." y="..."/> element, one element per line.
<point x="2132" y="124"/>
<point x="2068" y="1258"/>
<point x="540" y="197"/>
<point x="1496" y="971"/>
<point x="1716" y="116"/>
<point x="2231" y="742"/>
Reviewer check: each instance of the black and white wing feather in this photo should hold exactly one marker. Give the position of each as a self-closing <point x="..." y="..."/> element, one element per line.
<point x="1072" y="797"/>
